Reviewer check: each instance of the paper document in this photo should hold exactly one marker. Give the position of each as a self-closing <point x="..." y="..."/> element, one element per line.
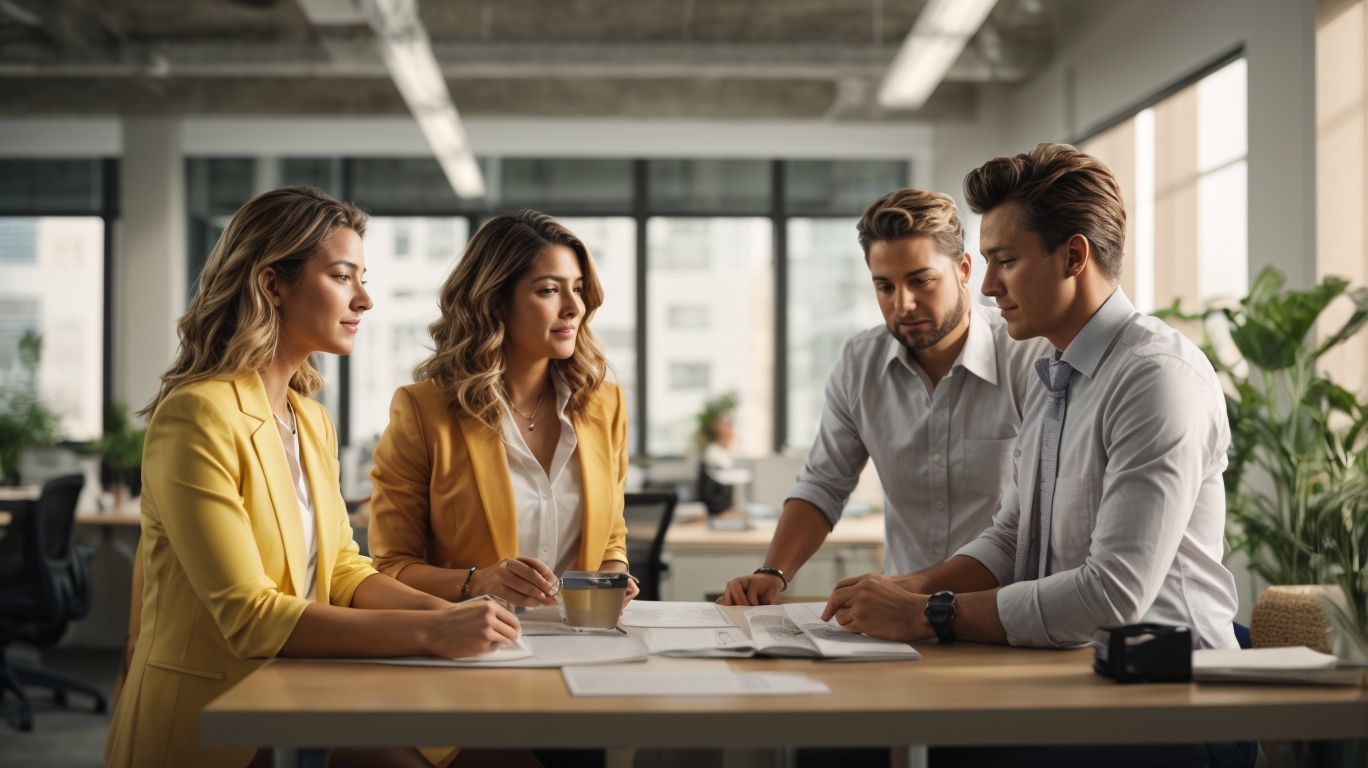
<point x="797" y="629"/>
<point x="616" y="682"/>
<point x="712" y="642"/>
<point x="1299" y="657"/>
<point x="651" y="613"/>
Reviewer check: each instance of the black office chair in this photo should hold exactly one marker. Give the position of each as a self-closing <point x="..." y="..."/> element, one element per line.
<point x="51" y="590"/>
<point x="648" y="517"/>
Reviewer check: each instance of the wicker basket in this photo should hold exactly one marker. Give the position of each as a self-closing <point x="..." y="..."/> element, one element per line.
<point x="1294" y="615"/>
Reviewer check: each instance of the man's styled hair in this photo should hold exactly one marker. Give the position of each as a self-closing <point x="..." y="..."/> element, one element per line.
<point x="913" y="213"/>
<point x="1061" y="192"/>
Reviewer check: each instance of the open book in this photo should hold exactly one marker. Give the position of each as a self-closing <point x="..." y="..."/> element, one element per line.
<point x="793" y="630"/>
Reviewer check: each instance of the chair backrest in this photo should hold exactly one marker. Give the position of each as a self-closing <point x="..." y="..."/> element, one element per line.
<point x="648" y="517"/>
<point x="50" y="554"/>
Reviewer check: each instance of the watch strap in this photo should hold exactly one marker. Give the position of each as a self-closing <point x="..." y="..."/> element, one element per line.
<point x="775" y="572"/>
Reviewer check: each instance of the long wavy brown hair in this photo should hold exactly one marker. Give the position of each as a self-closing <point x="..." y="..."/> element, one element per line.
<point x="231" y="329"/>
<point x="469" y="361"/>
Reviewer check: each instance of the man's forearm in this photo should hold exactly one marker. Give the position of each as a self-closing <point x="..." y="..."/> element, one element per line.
<point x="800" y="533"/>
<point x="976" y="617"/>
<point x="959" y="574"/>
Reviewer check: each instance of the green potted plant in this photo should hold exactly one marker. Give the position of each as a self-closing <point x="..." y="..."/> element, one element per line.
<point x="121" y="447"/>
<point x="25" y="421"/>
<point x="1296" y="455"/>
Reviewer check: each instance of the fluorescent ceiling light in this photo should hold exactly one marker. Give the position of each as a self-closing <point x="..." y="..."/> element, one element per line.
<point x="930" y="49"/>
<point x="407" y="53"/>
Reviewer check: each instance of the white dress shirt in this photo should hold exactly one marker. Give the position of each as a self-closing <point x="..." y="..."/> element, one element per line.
<point x="943" y="455"/>
<point x="550" y="508"/>
<point x="290" y="438"/>
<point x="1136" y="533"/>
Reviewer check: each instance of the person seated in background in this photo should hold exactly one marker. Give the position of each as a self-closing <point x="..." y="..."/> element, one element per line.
<point x="1117" y="511"/>
<point x="246" y="552"/>
<point x="718" y="474"/>
<point x="933" y="396"/>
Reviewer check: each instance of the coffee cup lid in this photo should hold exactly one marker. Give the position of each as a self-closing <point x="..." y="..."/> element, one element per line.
<point x="593" y="580"/>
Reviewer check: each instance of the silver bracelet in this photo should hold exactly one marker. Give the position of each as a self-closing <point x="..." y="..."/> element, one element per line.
<point x="775" y="572"/>
<point x="465" y="588"/>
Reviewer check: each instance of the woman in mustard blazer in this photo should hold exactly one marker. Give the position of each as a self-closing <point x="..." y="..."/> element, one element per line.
<point x="505" y="464"/>
<point x="246" y="550"/>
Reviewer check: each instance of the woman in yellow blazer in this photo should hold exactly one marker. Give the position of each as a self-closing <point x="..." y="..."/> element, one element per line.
<point x="246" y="549"/>
<point x="505" y="464"/>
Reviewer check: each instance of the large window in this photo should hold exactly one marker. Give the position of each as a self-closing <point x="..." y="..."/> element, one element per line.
<point x="690" y="252"/>
<point x="1182" y="170"/>
<point x="53" y="247"/>
<point x="406" y="261"/>
<point x="710" y="327"/>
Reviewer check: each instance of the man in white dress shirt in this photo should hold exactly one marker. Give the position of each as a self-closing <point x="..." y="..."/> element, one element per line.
<point x="934" y="397"/>
<point x="1117" y="510"/>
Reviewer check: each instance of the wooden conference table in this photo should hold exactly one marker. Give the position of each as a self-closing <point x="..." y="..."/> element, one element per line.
<point x="956" y="695"/>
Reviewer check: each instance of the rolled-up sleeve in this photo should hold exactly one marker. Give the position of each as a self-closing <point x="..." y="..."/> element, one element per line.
<point x="398" y="534"/>
<point x="838" y="455"/>
<point x="191" y="468"/>
<point x="1158" y="431"/>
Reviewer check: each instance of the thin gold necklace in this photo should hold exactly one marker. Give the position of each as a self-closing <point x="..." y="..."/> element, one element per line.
<point x="530" y="426"/>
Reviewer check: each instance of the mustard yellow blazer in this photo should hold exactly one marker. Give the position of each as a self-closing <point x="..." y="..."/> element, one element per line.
<point x="443" y="494"/>
<point x="223" y="559"/>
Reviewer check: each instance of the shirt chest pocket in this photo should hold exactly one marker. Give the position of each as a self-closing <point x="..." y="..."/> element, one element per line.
<point x="988" y="464"/>
<point x="1074" y="512"/>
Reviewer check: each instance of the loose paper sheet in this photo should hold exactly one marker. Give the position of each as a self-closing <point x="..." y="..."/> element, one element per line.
<point x="615" y="682"/>
<point x="533" y="652"/>
<point x="1299" y="657"/>
<point x="651" y="613"/>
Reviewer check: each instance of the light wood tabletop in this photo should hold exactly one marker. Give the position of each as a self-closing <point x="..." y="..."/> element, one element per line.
<point x="5" y="519"/>
<point x="20" y="492"/>
<point x="695" y="535"/>
<point x="955" y="695"/>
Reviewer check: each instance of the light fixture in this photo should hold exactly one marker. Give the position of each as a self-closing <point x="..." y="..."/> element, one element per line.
<point x="407" y="53"/>
<point x="930" y="49"/>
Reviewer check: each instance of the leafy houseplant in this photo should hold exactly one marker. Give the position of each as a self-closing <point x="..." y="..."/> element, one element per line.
<point x="121" y="445"/>
<point x="717" y="409"/>
<point x="1297" y="472"/>
<point x="25" y="421"/>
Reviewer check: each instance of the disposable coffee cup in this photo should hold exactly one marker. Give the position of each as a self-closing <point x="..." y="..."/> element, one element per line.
<point x="593" y="599"/>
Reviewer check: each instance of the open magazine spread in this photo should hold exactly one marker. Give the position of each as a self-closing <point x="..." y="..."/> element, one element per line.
<point x="793" y="630"/>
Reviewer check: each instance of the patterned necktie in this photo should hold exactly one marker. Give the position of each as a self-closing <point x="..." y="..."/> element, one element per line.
<point x="1055" y="374"/>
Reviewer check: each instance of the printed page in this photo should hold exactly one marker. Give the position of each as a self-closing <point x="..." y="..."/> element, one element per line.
<point x="603" y="681"/>
<point x="651" y="613"/>
<point x="775" y="634"/>
<point x="1298" y="657"/>
<point x="716" y="642"/>
<point x="838" y="643"/>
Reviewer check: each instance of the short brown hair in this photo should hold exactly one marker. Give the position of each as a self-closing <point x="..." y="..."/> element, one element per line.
<point x="1062" y="192"/>
<point x="913" y="213"/>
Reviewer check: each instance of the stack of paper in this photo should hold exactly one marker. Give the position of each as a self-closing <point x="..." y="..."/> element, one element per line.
<point x="611" y="681"/>
<point x="533" y="652"/>
<point x="794" y="630"/>
<point x="1298" y="665"/>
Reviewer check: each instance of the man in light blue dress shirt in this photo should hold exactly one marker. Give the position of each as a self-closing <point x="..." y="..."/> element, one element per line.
<point x="1117" y="510"/>
<point x="933" y="397"/>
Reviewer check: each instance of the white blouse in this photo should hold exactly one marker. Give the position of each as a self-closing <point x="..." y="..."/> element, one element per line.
<point x="550" y="507"/>
<point x="301" y="486"/>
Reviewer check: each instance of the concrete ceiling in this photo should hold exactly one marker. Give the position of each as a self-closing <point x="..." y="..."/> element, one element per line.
<point x="802" y="59"/>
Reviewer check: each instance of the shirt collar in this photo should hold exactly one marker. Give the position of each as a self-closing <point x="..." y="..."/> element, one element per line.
<point x="979" y="355"/>
<point x="1085" y="353"/>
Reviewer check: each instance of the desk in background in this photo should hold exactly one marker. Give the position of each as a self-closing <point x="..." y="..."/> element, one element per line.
<point x="702" y="560"/>
<point x="955" y="695"/>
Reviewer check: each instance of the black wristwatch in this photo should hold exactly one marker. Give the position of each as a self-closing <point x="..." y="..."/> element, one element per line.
<point x="940" y="610"/>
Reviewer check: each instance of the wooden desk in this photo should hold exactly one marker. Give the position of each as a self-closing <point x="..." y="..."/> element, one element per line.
<point x="5" y="519"/>
<point x="703" y="560"/>
<point x="20" y="492"/>
<point x="956" y="695"/>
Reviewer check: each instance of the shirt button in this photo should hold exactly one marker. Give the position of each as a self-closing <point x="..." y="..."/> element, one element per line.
<point x="940" y="504"/>
<point x="936" y="458"/>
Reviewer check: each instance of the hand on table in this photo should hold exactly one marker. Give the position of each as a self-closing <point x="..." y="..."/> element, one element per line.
<point x="752" y="589"/>
<point x="878" y="606"/>
<point x="524" y="582"/>
<point x="470" y="628"/>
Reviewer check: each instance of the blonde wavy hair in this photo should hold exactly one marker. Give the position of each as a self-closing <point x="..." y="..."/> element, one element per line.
<point x="231" y="328"/>
<point x="468" y="364"/>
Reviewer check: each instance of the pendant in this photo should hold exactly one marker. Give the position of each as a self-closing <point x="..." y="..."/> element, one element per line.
<point x="531" y="426"/>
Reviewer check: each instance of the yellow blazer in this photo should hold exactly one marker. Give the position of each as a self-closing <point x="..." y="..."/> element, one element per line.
<point x="223" y="559"/>
<point x="443" y="494"/>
